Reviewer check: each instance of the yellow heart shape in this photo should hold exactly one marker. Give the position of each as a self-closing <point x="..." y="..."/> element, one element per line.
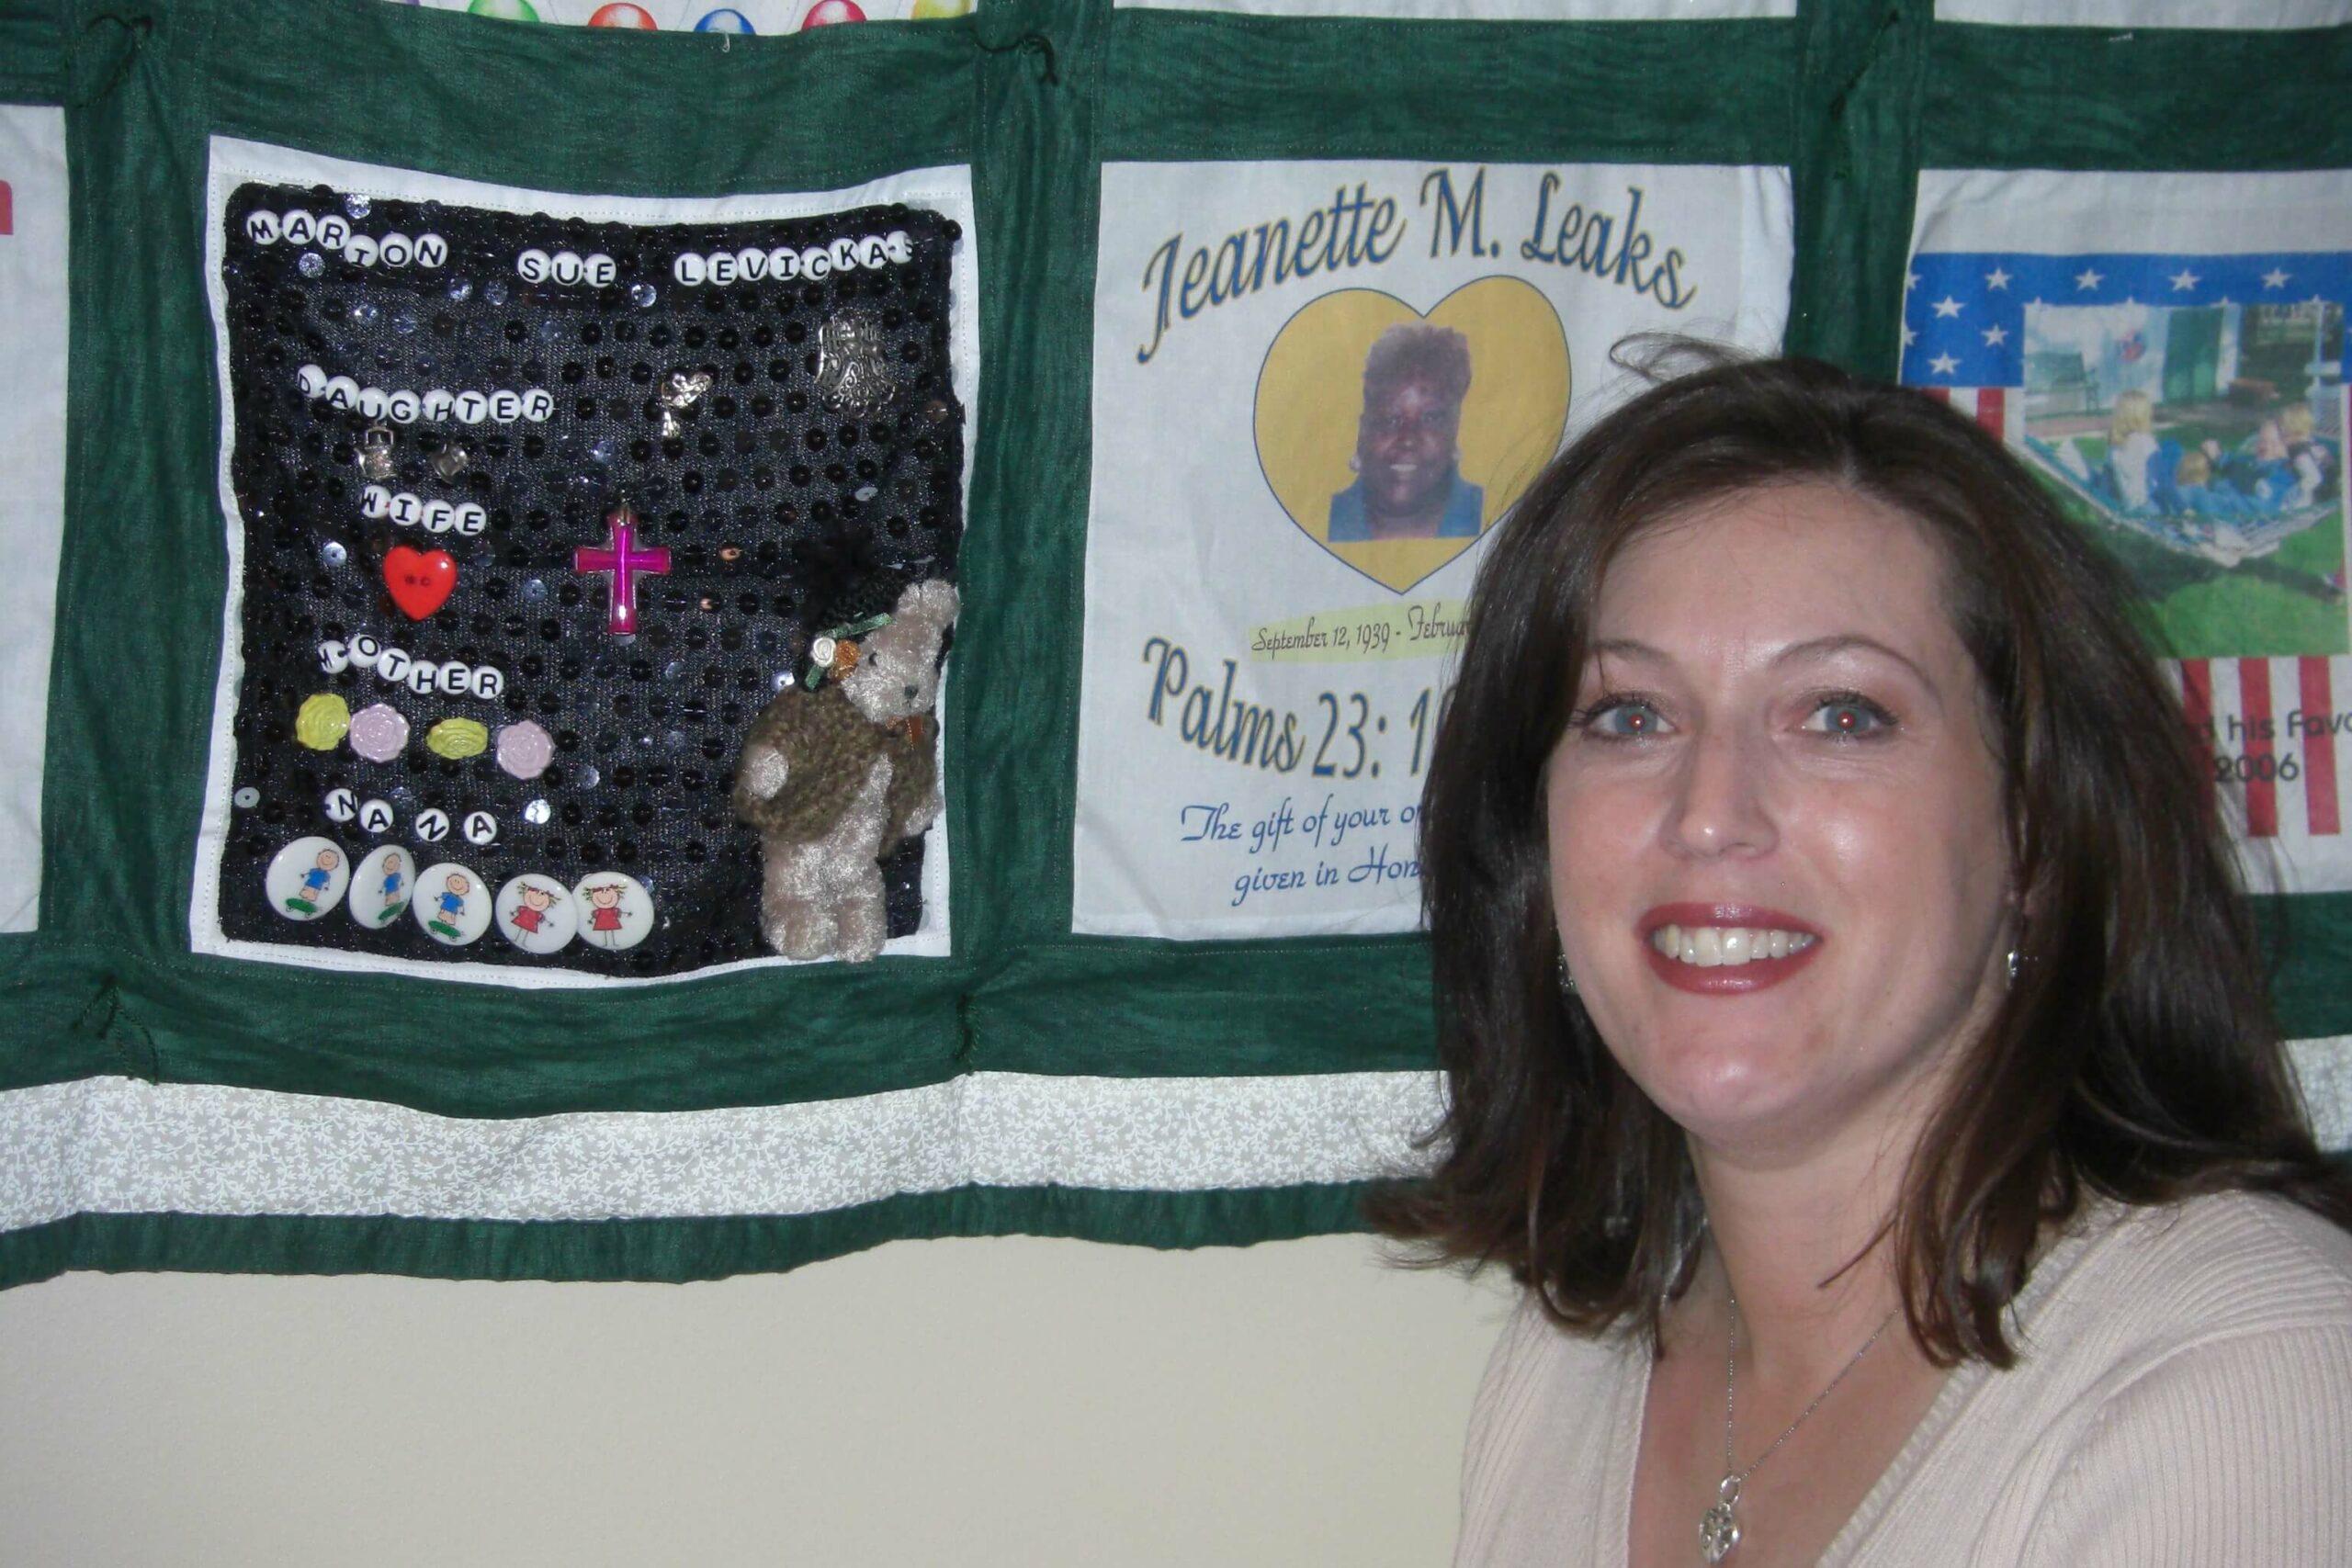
<point x="1310" y="403"/>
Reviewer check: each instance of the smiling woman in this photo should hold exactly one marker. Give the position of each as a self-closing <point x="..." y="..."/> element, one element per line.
<point x="1857" y="1043"/>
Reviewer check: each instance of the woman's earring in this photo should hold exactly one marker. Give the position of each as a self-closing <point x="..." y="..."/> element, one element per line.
<point x="1567" y="981"/>
<point x="1355" y="463"/>
<point x="2016" y="967"/>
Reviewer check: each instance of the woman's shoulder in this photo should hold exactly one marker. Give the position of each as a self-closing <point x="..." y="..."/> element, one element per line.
<point x="2206" y="1269"/>
<point x="2193" y="1289"/>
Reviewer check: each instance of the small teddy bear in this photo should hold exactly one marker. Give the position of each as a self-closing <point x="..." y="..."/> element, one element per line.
<point x="837" y="773"/>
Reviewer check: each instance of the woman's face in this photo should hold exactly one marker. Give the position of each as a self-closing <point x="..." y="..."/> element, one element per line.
<point x="1779" y="770"/>
<point x="1405" y="447"/>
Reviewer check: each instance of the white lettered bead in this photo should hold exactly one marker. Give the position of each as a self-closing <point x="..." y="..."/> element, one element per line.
<point x="335" y="655"/>
<point x="489" y="682"/>
<point x="566" y="267"/>
<point x="424" y="677"/>
<point x="531" y="266"/>
<point x="392" y="663"/>
<point x="689" y="269"/>
<point x="341" y="806"/>
<point x="538" y="405"/>
<point x="395" y="250"/>
<point x="360" y="250"/>
<point x="438" y="403"/>
<point x="297" y="228"/>
<point x="432" y="251"/>
<point x="505" y="406"/>
<point x="602" y="271"/>
<point x="403" y="406"/>
<point x="311" y="381"/>
<point x="456" y="677"/>
<point x="376" y="503"/>
<point x="470" y="518"/>
<point x="372" y="402"/>
<point x="333" y="230"/>
<point x="364" y="650"/>
<point x="431" y="824"/>
<point x="407" y="510"/>
<point x="262" y="227"/>
<point x="342" y="392"/>
<point x="376" y="815"/>
<point x="471" y="406"/>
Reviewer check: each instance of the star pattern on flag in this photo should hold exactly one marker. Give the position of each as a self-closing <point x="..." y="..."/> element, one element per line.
<point x="1964" y="312"/>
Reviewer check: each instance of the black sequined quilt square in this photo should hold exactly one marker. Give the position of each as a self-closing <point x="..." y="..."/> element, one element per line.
<point x="535" y="514"/>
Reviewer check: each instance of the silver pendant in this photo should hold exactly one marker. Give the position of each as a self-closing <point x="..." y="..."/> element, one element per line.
<point x="853" y="363"/>
<point x="453" y="459"/>
<point x="680" y="390"/>
<point x="1719" y="1527"/>
<point x="376" y="444"/>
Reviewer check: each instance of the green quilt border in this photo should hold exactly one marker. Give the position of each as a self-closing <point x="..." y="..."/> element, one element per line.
<point x="669" y="1251"/>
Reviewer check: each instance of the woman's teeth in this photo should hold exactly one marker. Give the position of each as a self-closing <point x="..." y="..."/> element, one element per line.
<point x="1714" y="947"/>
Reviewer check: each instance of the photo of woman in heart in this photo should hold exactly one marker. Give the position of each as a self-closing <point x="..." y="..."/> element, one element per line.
<point x="1408" y="460"/>
<point x="1393" y="438"/>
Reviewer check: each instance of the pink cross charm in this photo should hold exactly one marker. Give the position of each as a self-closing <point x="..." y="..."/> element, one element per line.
<point x="624" y="560"/>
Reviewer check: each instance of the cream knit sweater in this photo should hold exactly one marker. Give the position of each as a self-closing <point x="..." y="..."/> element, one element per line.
<point x="2183" y="1395"/>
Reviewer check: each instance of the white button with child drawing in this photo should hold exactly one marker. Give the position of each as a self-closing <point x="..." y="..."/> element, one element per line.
<point x="381" y="887"/>
<point x="308" y="877"/>
<point x="536" y="914"/>
<point x="615" y="911"/>
<point x="451" y="904"/>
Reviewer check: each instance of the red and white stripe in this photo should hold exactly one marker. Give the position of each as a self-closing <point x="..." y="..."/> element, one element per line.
<point x="2262" y="718"/>
<point x="2000" y="410"/>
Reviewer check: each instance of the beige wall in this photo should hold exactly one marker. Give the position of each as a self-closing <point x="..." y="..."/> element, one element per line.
<point x="1019" y="1403"/>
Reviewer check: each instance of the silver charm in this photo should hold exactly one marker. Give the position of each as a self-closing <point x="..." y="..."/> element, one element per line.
<point x="681" y="390"/>
<point x="451" y="462"/>
<point x="852" y="363"/>
<point x="376" y="446"/>
<point x="1719" y="1527"/>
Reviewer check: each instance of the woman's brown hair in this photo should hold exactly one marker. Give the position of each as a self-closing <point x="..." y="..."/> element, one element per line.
<point x="2134" y="1055"/>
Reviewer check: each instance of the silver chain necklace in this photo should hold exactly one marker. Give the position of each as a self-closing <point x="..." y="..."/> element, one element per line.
<point x="1719" y="1526"/>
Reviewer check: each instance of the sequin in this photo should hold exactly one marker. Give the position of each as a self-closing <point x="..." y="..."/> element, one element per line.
<point x="461" y="290"/>
<point x="536" y="813"/>
<point x="358" y="206"/>
<point x="333" y="553"/>
<point x="643" y="295"/>
<point x="494" y="291"/>
<point x="246" y="798"/>
<point x="310" y="264"/>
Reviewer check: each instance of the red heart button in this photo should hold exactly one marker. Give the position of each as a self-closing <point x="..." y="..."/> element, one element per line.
<point x="420" y="580"/>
